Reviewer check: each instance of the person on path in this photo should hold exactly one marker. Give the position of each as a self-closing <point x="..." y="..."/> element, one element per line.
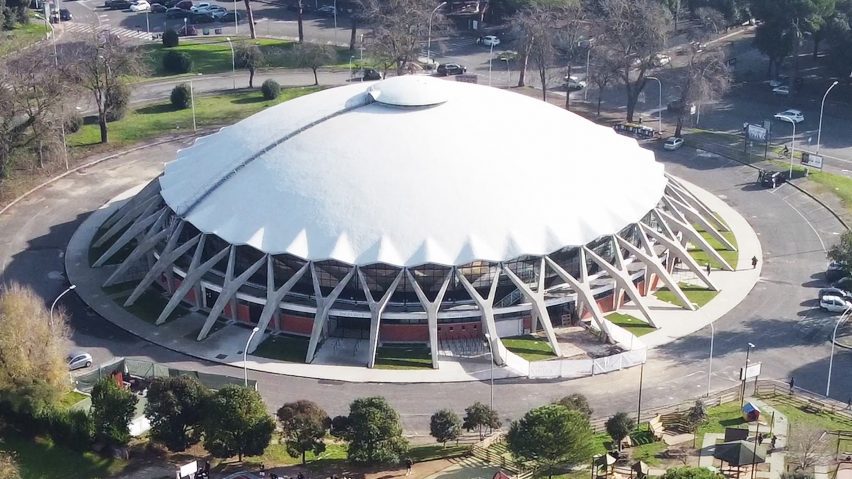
<point x="792" y="384"/>
<point x="772" y="441"/>
<point x="408" y="464"/>
<point x="708" y="268"/>
<point x="849" y="403"/>
<point x="753" y="262"/>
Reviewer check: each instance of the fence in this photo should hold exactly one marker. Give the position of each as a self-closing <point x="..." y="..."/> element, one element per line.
<point x="148" y="370"/>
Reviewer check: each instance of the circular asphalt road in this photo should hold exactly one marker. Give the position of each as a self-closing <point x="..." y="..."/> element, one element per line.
<point x="780" y="316"/>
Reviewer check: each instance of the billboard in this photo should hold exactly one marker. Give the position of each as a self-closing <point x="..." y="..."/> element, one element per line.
<point x="751" y="371"/>
<point x="756" y="133"/>
<point x="809" y="159"/>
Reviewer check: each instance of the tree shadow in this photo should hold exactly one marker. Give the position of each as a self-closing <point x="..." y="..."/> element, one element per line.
<point x="249" y="100"/>
<point x="156" y="109"/>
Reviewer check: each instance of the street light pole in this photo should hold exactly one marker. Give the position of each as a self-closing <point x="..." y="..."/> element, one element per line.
<point x="429" y="37"/>
<point x="351" y="57"/>
<point x="236" y="23"/>
<point x="821" y="107"/>
<point x="192" y="101"/>
<point x="843" y="317"/>
<point x="745" y="369"/>
<point x="335" y="23"/>
<point x="245" y="355"/>
<point x="660" y="106"/>
<point x="233" y="62"/>
<point x="792" y="143"/>
<point x="491" y="361"/>
<point x="710" y="369"/>
<point x="73" y="286"/>
<point x="641" y="378"/>
<point x="490" y="59"/>
<point x="588" y="57"/>
<point x="147" y="24"/>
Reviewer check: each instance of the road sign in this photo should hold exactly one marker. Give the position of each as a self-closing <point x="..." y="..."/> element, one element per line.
<point x="756" y="133"/>
<point x="187" y="470"/>
<point x="809" y="159"/>
<point x="752" y="371"/>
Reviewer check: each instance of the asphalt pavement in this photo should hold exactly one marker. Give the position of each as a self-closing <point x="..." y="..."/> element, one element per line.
<point x="780" y="315"/>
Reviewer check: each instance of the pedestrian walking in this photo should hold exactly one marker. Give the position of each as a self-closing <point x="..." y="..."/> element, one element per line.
<point x="408" y="464"/>
<point x="753" y="262"/>
<point x="759" y="438"/>
<point x="262" y="471"/>
<point x="792" y="384"/>
<point x="772" y="441"/>
<point x="708" y="268"/>
<point x="849" y="403"/>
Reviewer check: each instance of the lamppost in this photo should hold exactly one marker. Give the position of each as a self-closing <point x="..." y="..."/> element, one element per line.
<point x="641" y="378"/>
<point x="184" y="26"/>
<point x="351" y="57"/>
<point x="73" y="286"/>
<point x="233" y="62"/>
<point x="710" y="368"/>
<point x="843" y="318"/>
<point x="660" y="106"/>
<point x="491" y="361"/>
<point x="588" y="57"/>
<point x="745" y="370"/>
<point x="245" y="355"/>
<point x="429" y="36"/>
<point x="147" y="23"/>
<point x="821" y="107"/>
<point x="490" y="59"/>
<point x="792" y="141"/>
<point x="192" y="101"/>
<point x="236" y="23"/>
<point x="335" y="23"/>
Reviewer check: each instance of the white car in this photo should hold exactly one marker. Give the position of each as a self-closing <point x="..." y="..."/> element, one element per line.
<point x="217" y="11"/>
<point x="490" y="41"/>
<point x="791" y="115"/>
<point x="574" y="83"/>
<point x="661" y="60"/>
<point x="140" y="6"/>
<point x="834" y="304"/>
<point x="203" y="7"/>
<point x="782" y="90"/>
<point x="673" y="143"/>
<point x="78" y="360"/>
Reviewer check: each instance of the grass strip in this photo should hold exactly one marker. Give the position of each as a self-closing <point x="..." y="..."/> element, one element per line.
<point x="410" y="356"/>
<point x="697" y="295"/>
<point x="630" y="323"/>
<point x="531" y="348"/>
<point x="283" y="347"/>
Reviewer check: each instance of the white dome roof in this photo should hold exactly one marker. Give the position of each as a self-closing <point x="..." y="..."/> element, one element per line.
<point x="361" y="176"/>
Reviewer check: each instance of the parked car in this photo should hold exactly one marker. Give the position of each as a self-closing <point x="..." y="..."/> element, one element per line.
<point x="118" y="4"/>
<point x="790" y="115"/>
<point x="230" y="16"/>
<point x="843" y="283"/>
<point x="445" y="69"/>
<point x="78" y="360"/>
<point x="326" y="11"/>
<point x="201" y="18"/>
<point x="185" y="5"/>
<point x="830" y="291"/>
<point x="371" y="74"/>
<point x="490" y="40"/>
<point x="140" y="6"/>
<point x="572" y="83"/>
<point x="661" y="60"/>
<point x="771" y="179"/>
<point x="673" y="143"/>
<point x="835" y="271"/>
<point x="834" y="304"/>
<point x="199" y="8"/>
<point x="158" y="8"/>
<point x="217" y="11"/>
<point x="176" y="12"/>
<point x="65" y="15"/>
<point x="782" y="90"/>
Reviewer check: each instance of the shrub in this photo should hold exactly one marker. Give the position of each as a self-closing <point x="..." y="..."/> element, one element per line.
<point x="270" y="89"/>
<point x="116" y="101"/>
<point x="180" y="97"/>
<point x="177" y="62"/>
<point x="70" y="428"/>
<point x="73" y="122"/>
<point x="171" y="38"/>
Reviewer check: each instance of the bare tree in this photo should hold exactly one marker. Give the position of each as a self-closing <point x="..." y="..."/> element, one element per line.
<point x="250" y="19"/>
<point x="807" y="446"/>
<point x="250" y="57"/>
<point x="100" y="64"/>
<point x="704" y="79"/>
<point x="603" y="71"/>
<point x="313" y="56"/>
<point x="301" y="13"/>
<point x="635" y="31"/>
<point x="399" y="28"/>
<point x="32" y="92"/>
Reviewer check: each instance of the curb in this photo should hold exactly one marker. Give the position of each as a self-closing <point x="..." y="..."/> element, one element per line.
<point x="699" y="145"/>
<point x="95" y="162"/>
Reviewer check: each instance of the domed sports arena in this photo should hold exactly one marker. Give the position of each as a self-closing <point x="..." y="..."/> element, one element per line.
<point x="411" y="210"/>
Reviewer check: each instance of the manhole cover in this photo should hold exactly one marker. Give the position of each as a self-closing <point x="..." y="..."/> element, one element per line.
<point x="221" y="356"/>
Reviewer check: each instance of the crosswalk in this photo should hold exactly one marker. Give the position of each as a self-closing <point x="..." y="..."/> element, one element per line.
<point x="83" y="28"/>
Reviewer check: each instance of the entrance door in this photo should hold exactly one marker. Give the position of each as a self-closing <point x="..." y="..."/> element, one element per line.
<point x="357" y="328"/>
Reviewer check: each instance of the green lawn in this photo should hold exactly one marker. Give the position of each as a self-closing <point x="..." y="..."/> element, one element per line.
<point x="633" y="325"/>
<point x="797" y="415"/>
<point x="698" y="295"/>
<point x="403" y="356"/>
<point x="432" y="452"/>
<point x="71" y="398"/>
<point x="22" y="35"/>
<point x="718" y="418"/>
<point x="41" y="459"/>
<point x="531" y="348"/>
<point x="214" y="55"/>
<point x="335" y="452"/>
<point x="703" y="258"/>
<point x="157" y="119"/>
<point x="293" y="349"/>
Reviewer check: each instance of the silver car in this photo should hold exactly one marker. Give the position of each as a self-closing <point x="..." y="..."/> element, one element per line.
<point x="79" y="360"/>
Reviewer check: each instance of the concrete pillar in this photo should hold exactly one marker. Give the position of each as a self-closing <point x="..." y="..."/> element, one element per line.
<point x="274" y="298"/>
<point x="486" y="308"/>
<point x="376" y="309"/>
<point x="584" y="294"/>
<point x="621" y="277"/>
<point x="140" y="211"/>
<point x="693" y="216"/>
<point x="166" y="260"/>
<point x="676" y="250"/>
<point x="193" y="276"/>
<point x="324" y="305"/>
<point x="150" y="190"/>
<point x="150" y="241"/>
<point x="137" y="228"/>
<point x="431" y="308"/>
<point x="693" y="237"/>
<point x="229" y="290"/>
<point x="536" y="299"/>
<point x="653" y="263"/>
